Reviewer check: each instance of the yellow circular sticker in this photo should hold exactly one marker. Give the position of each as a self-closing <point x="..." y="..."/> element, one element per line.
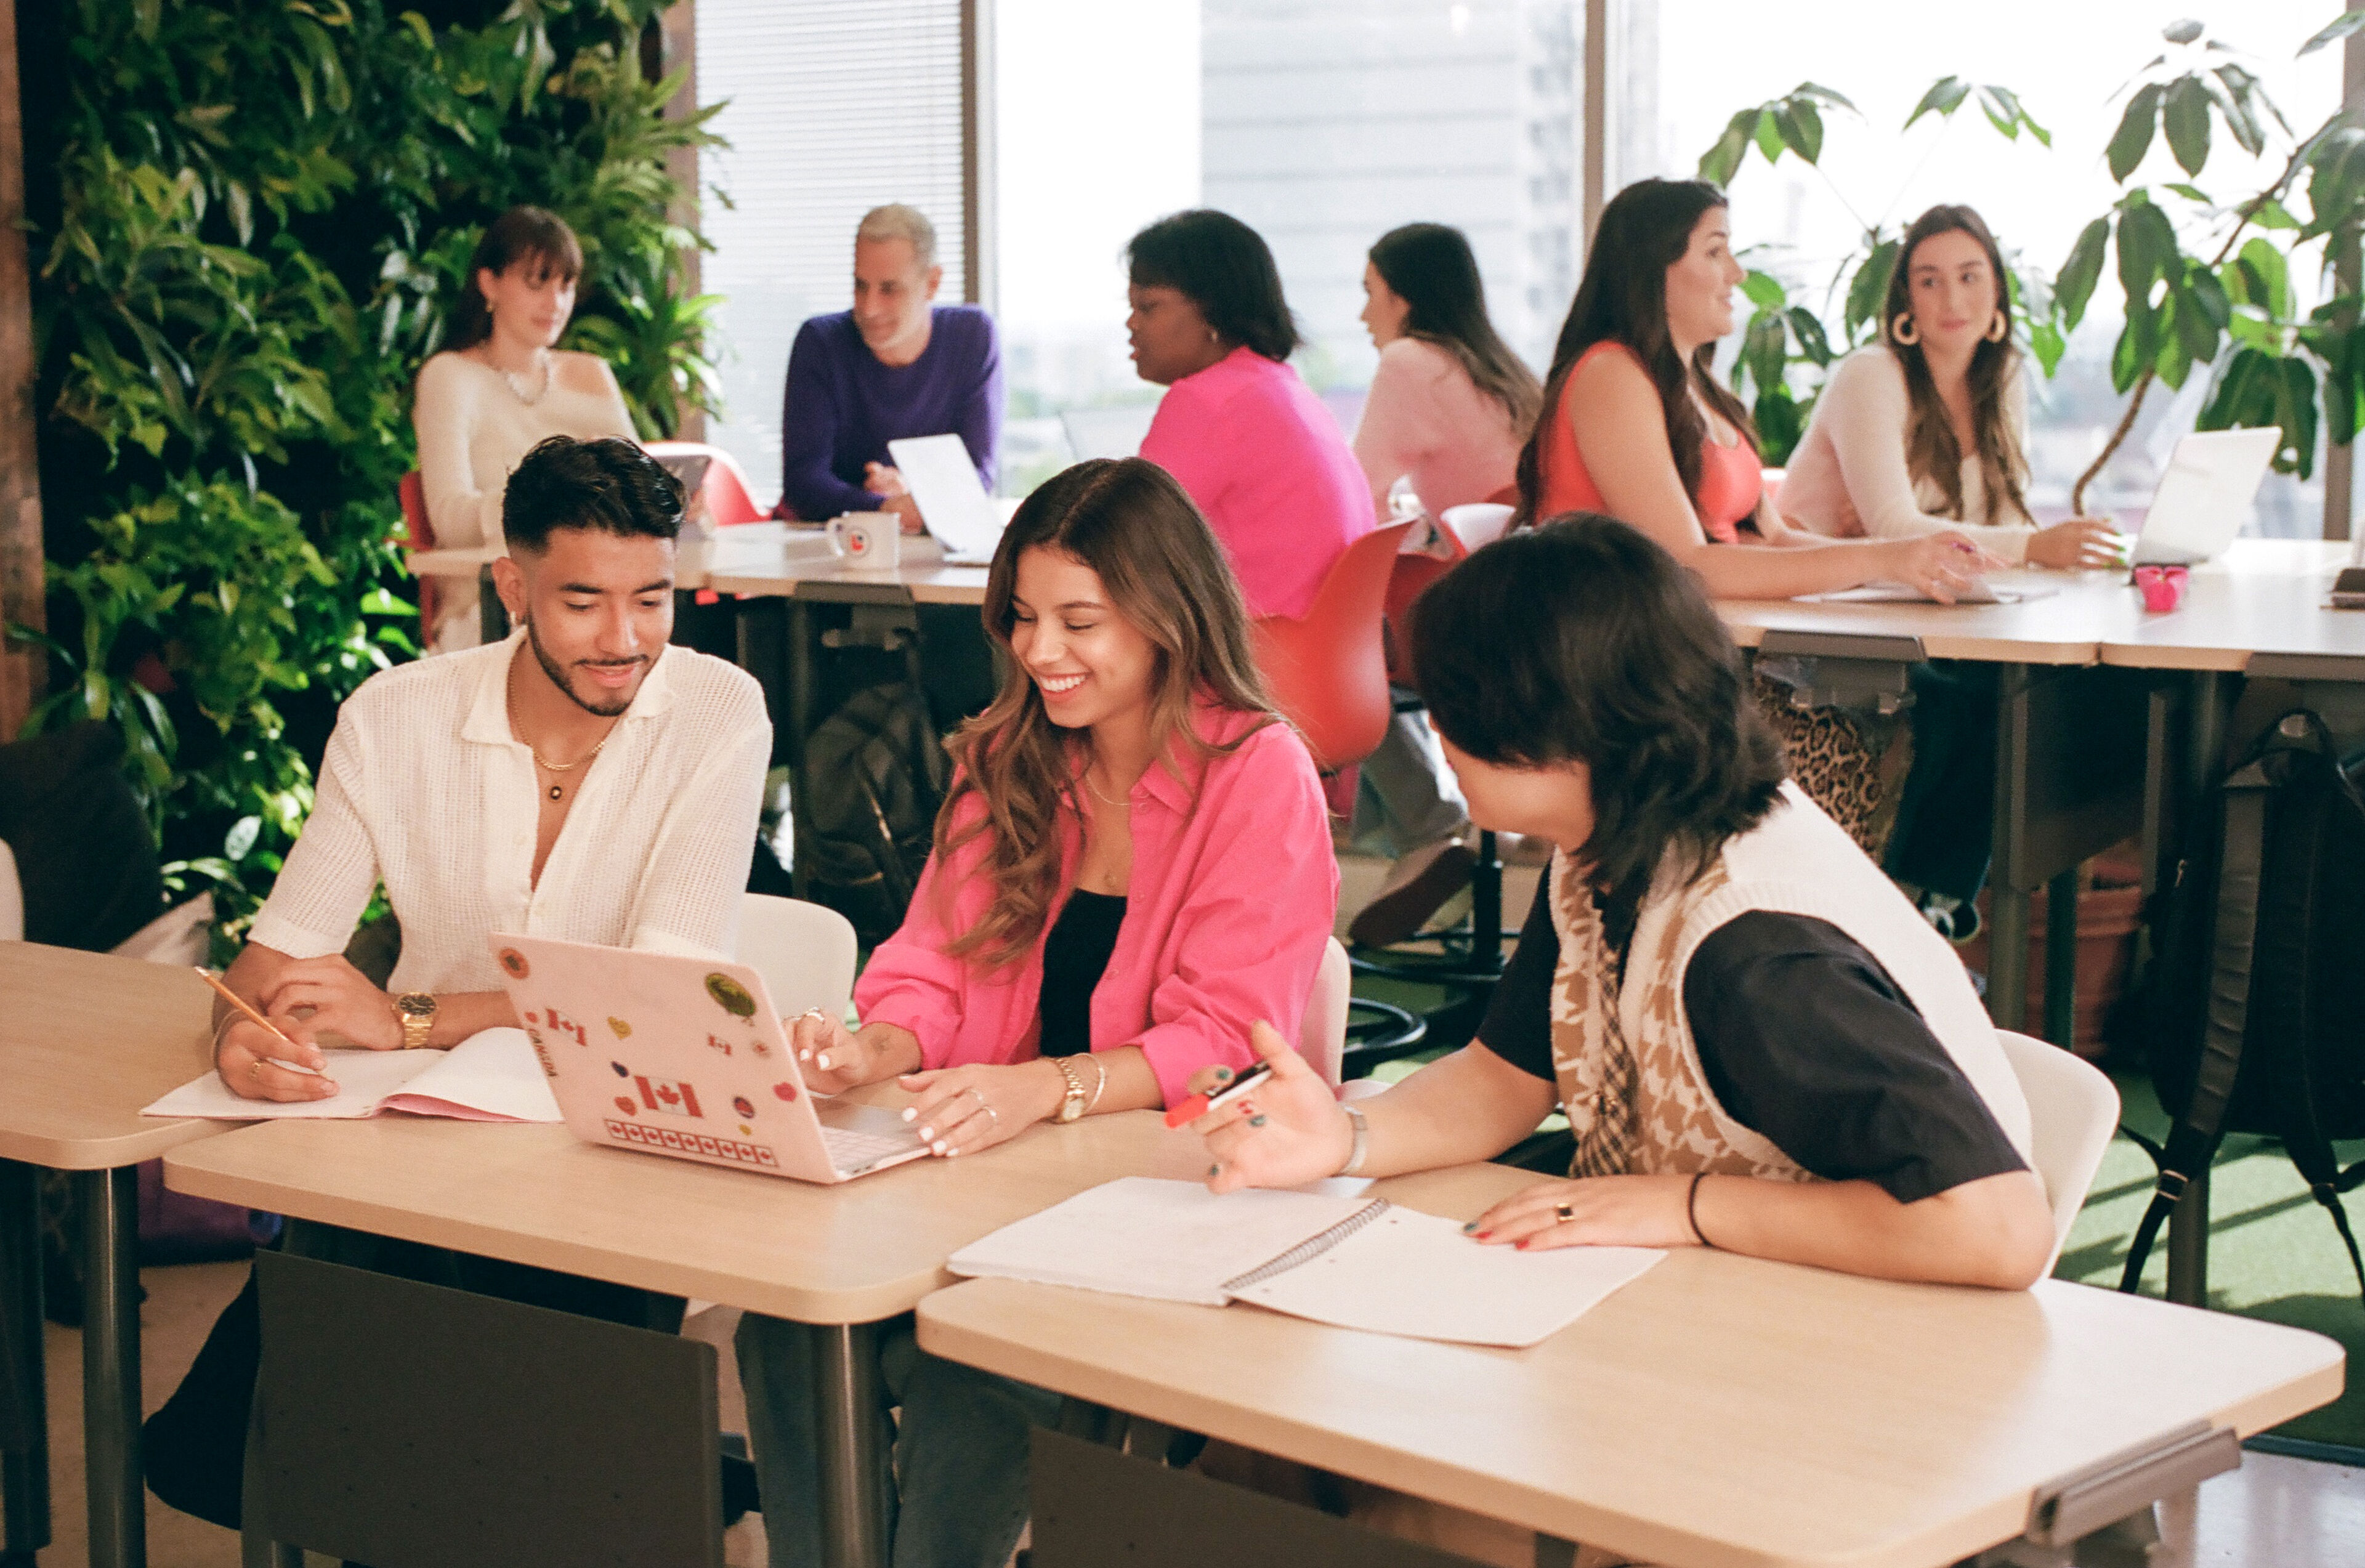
<point x="731" y="996"/>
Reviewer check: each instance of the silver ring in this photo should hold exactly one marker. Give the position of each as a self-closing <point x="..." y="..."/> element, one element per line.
<point x="991" y="1112"/>
<point x="971" y="1088"/>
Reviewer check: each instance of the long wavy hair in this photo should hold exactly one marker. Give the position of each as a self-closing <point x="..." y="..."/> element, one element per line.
<point x="1622" y="298"/>
<point x="1430" y="267"/>
<point x="1931" y="452"/>
<point x="522" y="234"/>
<point x="1131" y="522"/>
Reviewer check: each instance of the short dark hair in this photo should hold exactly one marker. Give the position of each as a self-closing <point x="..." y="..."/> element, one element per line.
<point x="1584" y="641"/>
<point x="608" y="484"/>
<point x="1223" y="267"/>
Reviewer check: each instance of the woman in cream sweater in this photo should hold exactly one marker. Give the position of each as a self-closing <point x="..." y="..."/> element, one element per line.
<point x="500" y="389"/>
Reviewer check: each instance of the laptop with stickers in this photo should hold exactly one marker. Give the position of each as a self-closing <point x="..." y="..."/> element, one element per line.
<point x="677" y="1055"/>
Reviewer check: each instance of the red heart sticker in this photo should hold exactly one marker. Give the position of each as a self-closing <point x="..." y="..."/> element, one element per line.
<point x="785" y="1090"/>
<point x="624" y="1105"/>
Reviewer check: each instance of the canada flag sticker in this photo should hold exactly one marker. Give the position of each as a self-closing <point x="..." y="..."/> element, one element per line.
<point x="668" y="1098"/>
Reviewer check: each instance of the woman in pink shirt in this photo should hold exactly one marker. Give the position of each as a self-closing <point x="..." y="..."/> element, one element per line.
<point x="1133" y="868"/>
<point x="1254" y="447"/>
<point x="1450" y="404"/>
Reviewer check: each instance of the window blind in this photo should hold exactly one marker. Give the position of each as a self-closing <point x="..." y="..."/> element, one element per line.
<point x="831" y="108"/>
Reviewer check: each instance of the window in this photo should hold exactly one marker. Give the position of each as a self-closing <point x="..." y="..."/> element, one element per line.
<point x="2066" y="63"/>
<point x="832" y="110"/>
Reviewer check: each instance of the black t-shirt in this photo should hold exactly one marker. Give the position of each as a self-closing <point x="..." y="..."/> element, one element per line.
<point x="1075" y="956"/>
<point x="1805" y="1040"/>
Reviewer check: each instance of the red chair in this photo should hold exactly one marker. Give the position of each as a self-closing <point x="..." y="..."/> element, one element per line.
<point x="1328" y="672"/>
<point x="727" y="499"/>
<point x="418" y="533"/>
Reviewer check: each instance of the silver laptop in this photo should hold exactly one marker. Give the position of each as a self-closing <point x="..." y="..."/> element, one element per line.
<point x="681" y="1056"/>
<point x="2204" y="497"/>
<point x="936" y="469"/>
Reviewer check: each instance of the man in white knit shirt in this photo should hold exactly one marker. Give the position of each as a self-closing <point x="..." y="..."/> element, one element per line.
<point x="579" y="780"/>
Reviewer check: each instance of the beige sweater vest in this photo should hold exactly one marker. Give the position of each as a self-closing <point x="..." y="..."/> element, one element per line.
<point x="1797" y="861"/>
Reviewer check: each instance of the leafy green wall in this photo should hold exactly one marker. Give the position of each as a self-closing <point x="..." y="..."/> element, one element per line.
<point x="249" y="222"/>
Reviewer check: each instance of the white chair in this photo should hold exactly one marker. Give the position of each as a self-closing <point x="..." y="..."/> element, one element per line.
<point x="804" y="952"/>
<point x="2073" y="1109"/>
<point x="1322" y="1039"/>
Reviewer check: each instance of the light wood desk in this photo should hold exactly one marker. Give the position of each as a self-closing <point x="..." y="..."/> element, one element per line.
<point x="2064" y="627"/>
<point x="844" y="1257"/>
<point x="86" y="1040"/>
<point x="1719" y="1412"/>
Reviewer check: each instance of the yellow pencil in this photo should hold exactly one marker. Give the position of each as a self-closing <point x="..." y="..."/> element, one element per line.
<point x="241" y="1003"/>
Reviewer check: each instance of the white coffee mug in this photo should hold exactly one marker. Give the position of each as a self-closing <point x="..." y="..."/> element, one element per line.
<point x="867" y="539"/>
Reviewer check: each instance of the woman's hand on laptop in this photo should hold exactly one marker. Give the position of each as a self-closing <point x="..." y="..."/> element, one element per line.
<point x="961" y="1110"/>
<point x="2082" y="544"/>
<point x="834" y="1059"/>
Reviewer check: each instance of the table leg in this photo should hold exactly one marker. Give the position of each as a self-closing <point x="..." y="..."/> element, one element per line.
<point x="2206" y="716"/>
<point x="845" y="1387"/>
<point x="24" y="1387"/>
<point x="2061" y="959"/>
<point x="109" y="1202"/>
<point x="2008" y="905"/>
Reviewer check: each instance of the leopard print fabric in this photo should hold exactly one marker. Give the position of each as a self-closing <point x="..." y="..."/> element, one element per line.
<point x="1850" y="763"/>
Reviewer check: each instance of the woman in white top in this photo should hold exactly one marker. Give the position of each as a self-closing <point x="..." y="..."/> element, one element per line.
<point x="500" y="389"/>
<point x="1927" y="429"/>
<point x="1448" y="407"/>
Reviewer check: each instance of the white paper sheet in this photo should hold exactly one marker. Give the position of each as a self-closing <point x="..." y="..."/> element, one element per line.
<point x="489" y="1076"/>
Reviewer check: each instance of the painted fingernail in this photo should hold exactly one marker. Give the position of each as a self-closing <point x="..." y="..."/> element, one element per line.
<point x="938" y="1145"/>
<point x="1522" y="1244"/>
<point x="911" y="1113"/>
<point x="1485" y="1234"/>
<point x="821" y="1061"/>
<point x="1470" y="1230"/>
<point x="1248" y="1108"/>
<point x="927" y="1132"/>
<point x="1256" y="1121"/>
<point x="1223" y="1075"/>
<point x="1215" y="1170"/>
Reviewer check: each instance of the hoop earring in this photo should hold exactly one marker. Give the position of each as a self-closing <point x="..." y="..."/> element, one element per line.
<point x="1903" y="331"/>
<point x="1999" y="328"/>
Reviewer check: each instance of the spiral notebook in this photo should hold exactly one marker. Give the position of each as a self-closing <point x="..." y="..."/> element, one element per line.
<point x="1354" y="1262"/>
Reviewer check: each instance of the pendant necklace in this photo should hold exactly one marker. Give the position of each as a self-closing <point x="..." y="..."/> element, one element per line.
<point x="517" y="384"/>
<point x="558" y="791"/>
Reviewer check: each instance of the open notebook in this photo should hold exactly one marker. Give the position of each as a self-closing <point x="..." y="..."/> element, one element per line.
<point x="1356" y="1262"/>
<point x="491" y="1076"/>
<point x="1983" y="591"/>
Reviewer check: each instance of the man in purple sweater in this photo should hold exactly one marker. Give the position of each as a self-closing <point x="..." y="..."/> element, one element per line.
<point x="895" y="366"/>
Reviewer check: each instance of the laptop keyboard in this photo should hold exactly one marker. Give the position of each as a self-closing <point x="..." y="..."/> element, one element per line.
<point x="850" y="1150"/>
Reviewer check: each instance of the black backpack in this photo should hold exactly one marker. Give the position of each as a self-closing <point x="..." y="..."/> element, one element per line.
<point x="2254" y="1012"/>
<point x="874" y="775"/>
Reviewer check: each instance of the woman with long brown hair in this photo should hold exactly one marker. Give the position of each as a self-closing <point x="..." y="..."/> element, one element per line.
<point x="1922" y="433"/>
<point x="1637" y="426"/>
<point x="1134" y="866"/>
<point x="1927" y="429"/>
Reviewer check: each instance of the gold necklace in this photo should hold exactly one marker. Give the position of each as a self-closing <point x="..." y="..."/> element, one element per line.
<point x="1103" y="800"/>
<point x="558" y="791"/>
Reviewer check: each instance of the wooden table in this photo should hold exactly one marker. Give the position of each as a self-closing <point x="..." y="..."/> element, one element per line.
<point x="844" y="1257"/>
<point x="1720" y="1412"/>
<point x="86" y="1040"/>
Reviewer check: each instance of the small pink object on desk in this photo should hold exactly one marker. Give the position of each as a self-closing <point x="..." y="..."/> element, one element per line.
<point x="2162" y="586"/>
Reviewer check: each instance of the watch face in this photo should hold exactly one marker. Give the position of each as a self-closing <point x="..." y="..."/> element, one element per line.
<point x="414" y="1005"/>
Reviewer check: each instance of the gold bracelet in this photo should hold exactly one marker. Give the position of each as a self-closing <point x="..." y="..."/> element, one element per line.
<point x="1100" y="1084"/>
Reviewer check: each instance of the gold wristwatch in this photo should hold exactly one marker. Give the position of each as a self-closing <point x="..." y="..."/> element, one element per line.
<point x="1071" y="1103"/>
<point x="416" y="1010"/>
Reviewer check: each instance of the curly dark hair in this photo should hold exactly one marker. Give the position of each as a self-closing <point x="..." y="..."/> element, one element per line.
<point x="1583" y="641"/>
<point x="1223" y="267"/>
<point x="608" y="484"/>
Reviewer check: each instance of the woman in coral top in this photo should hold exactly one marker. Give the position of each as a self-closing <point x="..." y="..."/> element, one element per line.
<point x="1133" y="868"/>
<point x="1636" y="425"/>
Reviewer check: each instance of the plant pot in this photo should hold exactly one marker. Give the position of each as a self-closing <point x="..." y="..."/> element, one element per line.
<point x="2107" y="918"/>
